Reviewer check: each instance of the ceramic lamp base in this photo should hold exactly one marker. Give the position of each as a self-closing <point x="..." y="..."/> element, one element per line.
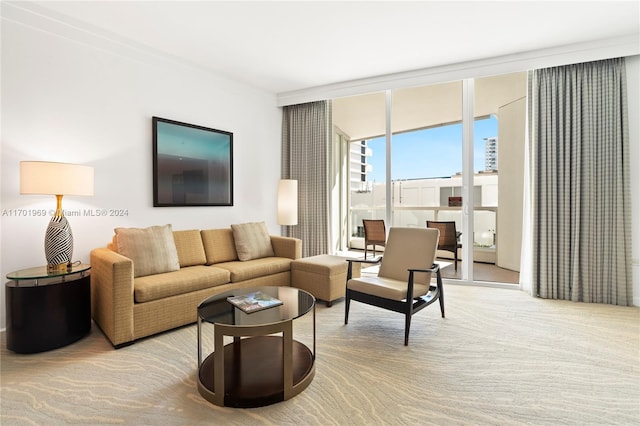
<point x="58" y="244"/>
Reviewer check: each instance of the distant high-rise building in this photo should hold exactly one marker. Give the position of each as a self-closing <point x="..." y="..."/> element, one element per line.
<point x="358" y="165"/>
<point x="491" y="154"/>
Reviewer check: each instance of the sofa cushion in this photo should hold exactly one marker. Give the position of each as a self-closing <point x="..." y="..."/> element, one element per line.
<point x="186" y="280"/>
<point x="190" y="248"/>
<point x="152" y="249"/>
<point x="246" y="270"/>
<point x="219" y="245"/>
<point x="252" y="240"/>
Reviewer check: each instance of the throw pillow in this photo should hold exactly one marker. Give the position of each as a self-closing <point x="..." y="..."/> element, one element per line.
<point x="252" y="240"/>
<point x="189" y="247"/>
<point x="152" y="249"/>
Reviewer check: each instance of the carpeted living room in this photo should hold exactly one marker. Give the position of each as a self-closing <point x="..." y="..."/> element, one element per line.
<point x="218" y="157"/>
<point x="499" y="357"/>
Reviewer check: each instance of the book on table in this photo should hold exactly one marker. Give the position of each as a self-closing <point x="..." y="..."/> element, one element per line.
<point x="254" y="302"/>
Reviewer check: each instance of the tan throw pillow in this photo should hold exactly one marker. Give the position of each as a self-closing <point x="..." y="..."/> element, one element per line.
<point x="219" y="245"/>
<point x="252" y="240"/>
<point x="189" y="247"/>
<point x="152" y="249"/>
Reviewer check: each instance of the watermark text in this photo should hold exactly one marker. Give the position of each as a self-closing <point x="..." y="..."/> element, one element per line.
<point x="65" y="212"/>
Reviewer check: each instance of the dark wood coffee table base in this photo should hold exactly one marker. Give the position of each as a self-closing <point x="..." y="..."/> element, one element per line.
<point x="253" y="371"/>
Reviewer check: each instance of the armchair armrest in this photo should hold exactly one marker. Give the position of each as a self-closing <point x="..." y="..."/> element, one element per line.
<point x="112" y="295"/>
<point x="371" y="261"/>
<point x="434" y="268"/>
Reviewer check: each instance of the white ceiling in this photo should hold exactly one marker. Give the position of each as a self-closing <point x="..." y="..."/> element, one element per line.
<point x="286" y="46"/>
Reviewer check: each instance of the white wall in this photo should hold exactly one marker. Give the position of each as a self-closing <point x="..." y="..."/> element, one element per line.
<point x="69" y="100"/>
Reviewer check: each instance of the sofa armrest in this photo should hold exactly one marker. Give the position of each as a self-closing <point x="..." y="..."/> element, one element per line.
<point x="286" y="247"/>
<point x="112" y="295"/>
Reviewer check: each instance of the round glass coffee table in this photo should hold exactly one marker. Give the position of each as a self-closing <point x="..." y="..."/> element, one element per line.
<point x="263" y="364"/>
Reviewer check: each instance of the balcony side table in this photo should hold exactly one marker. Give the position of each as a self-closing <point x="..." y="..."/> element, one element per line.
<point x="47" y="310"/>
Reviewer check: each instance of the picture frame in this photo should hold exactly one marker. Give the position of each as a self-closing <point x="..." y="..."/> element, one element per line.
<point x="192" y="165"/>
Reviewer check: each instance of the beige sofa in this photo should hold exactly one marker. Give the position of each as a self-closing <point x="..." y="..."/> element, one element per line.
<point x="131" y="299"/>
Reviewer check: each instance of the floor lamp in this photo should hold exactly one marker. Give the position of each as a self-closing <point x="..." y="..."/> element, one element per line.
<point x="288" y="202"/>
<point x="59" y="179"/>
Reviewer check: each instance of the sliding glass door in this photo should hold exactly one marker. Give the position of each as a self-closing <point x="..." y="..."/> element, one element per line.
<point x="426" y="158"/>
<point x="499" y="132"/>
<point x="359" y="122"/>
<point x="412" y="159"/>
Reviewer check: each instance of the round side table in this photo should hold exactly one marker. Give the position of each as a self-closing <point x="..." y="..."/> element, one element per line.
<point x="263" y="364"/>
<point x="47" y="310"/>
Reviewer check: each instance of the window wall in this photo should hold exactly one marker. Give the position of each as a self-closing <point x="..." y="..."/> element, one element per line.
<point x="426" y="154"/>
<point x="421" y="161"/>
<point x="363" y="119"/>
<point x="500" y="140"/>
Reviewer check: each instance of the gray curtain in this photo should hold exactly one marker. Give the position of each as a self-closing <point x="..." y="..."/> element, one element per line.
<point x="306" y="137"/>
<point x="582" y="206"/>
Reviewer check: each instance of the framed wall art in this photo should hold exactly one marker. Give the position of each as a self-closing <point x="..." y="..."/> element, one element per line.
<point x="192" y="165"/>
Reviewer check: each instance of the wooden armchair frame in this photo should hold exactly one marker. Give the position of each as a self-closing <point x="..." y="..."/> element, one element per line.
<point x="374" y="234"/>
<point x="448" y="240"/>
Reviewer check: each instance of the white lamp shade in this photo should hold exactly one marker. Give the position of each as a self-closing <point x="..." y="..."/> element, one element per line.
<point x="42" y="177"/>
<point x="288" y="202"/>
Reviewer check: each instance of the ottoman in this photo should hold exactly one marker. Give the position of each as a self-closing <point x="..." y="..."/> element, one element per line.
<point x="324" y="276"/>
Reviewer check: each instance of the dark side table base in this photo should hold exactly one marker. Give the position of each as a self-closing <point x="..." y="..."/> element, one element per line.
<point x="253" y="371"/>
<point x="41" y="318"/>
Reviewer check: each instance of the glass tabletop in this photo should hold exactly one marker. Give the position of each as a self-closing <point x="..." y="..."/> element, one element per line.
<point x="218" y="310"/>
<point x="41" y="272"/>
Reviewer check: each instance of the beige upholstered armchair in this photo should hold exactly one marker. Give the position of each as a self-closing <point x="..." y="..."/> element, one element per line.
<point x="404" y="282"/>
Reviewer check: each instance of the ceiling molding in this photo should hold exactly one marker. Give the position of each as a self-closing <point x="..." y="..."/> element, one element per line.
<point x="561" y="55"/>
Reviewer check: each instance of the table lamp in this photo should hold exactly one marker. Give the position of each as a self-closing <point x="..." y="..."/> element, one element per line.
<point x="59" y="179"/>
<point x="288" y="202"/>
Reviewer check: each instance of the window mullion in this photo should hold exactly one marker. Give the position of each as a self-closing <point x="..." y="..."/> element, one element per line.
<point x="467" y="179"/>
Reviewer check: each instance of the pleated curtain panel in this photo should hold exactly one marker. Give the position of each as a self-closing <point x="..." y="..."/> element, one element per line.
<point x="579" y="153"/>
<point x="306" y="146"/>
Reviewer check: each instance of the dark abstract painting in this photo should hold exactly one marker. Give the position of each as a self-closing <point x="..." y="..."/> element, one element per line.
<point x="192" y="165"/>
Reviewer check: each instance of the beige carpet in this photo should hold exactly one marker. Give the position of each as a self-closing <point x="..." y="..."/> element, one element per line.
<point x="500" y="357"/>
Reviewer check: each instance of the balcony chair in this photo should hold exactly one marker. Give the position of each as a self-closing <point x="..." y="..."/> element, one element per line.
<point x="448" y="240"/>
<point x="403" y="283"/>
<point x="374" y="234"/>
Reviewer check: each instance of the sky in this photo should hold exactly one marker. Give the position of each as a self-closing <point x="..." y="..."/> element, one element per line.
<point x="435" y="152"/>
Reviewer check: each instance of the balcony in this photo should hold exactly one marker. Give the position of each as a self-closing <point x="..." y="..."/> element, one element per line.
<point x="486" y="267"/>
